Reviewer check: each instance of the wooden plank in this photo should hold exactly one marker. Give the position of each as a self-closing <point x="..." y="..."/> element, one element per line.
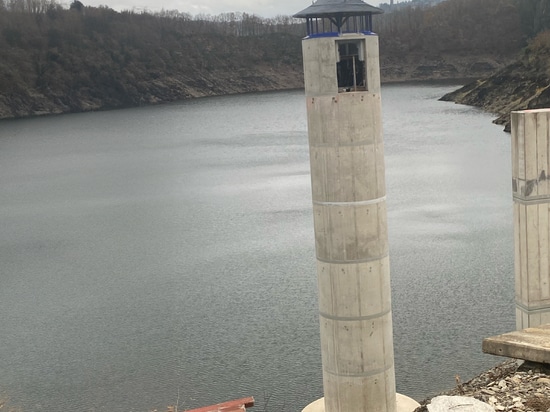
<point x="230" y="406"/>
<point x="531" y="344"/>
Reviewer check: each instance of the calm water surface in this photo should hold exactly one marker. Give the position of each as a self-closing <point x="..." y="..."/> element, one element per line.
<point x="167" y="252"/>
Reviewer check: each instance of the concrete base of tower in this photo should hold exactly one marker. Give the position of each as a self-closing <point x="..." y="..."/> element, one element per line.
<point x="404" y="404"/>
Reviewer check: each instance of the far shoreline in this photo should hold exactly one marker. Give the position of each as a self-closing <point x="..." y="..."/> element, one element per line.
<point x="458" y="82"/>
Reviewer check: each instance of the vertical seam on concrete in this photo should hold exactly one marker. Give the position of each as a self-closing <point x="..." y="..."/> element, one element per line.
<point x="359" y="280"/>
<point x="520" y="256"/>
<point x="381" y="274"/>
<point x="537" y="266"/>
<point x="541" y="233"/>
<point x="537" y="168"/>
<point x="547" y="269"/>
<point x="525" y="254"/>
<point x="546" y="209"/>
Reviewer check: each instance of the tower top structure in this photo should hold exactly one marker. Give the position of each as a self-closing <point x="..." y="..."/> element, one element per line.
<point x="334" y="17"/>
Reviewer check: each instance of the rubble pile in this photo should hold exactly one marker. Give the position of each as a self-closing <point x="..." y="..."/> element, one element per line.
<point x="509" y="387"/>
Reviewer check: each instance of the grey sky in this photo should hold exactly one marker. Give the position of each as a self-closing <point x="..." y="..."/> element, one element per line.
<point x="264" y="8"/>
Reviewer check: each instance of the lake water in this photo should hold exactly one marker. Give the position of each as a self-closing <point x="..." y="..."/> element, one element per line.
<point x="165" y="254"/>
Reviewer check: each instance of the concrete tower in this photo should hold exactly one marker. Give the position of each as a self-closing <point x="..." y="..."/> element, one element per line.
<point x="531" y="192"/>
<point x="342" y="87"/>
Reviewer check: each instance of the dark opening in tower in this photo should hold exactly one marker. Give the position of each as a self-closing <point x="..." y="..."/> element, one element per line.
<point x="350" y="67"/>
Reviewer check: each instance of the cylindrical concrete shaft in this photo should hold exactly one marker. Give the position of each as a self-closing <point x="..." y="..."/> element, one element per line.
<point x="531" y="191"/>
<point x="349" y="204"/>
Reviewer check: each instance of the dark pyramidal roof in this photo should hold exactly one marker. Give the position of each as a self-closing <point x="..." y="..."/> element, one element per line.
<point x="327" y="8"/>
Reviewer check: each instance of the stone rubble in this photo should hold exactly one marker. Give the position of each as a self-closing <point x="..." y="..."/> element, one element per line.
<point x="508" y="387"/>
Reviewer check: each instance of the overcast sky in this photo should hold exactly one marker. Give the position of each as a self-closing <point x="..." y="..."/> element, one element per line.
<point x="264" y="8"/>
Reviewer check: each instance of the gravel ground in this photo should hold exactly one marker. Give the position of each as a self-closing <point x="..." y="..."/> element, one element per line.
<point x="510" y="386"/>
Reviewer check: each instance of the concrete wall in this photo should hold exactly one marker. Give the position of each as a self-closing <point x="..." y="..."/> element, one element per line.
<point x="349" y="205"/>
<point x="531" y="192"/>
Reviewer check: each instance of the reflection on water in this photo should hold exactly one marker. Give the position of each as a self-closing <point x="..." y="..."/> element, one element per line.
<point x="168" y="250"/>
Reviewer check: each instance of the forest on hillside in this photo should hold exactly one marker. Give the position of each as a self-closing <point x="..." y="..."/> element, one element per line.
<point x="523" y="84"/>
<point x="55" y="59"/>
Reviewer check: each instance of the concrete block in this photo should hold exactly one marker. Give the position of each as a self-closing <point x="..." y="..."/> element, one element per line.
<point x="350" y="233"/>
<point x="319" y="66"/>
<point x="354" y="290"/>
<point x="530" y="344"/>
<point x="352" y="173"/>
<point x="377" y="392"/>
<point x="344" y="118"/>
<point x="343" y="341"/>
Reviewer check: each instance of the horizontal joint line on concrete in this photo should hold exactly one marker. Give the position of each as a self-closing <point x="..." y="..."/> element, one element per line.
<point x="351" y="262"/>
<point x="335" y="93"/>
<point x="354" y="318"/>
<point x="362" y="374"/>
<point x="340" y="144"/>
<point x="537" y="309"/>
<point x="358" y="203"/>
<point x="532" y="200"/>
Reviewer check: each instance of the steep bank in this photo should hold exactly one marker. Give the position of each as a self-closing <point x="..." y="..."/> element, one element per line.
<point x="79" y="84"/>
<point x="113" y="91"/>
<point x="65" y="61"/>
<point x="524" y="84"/>
<point x="444" y="66"/>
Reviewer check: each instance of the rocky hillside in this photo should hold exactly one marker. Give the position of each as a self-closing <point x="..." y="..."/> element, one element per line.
<point x="57" y="60"/>
<point x="443" y="66"/>
<point x="525" y="84"/>
<point x="72" y="61"/>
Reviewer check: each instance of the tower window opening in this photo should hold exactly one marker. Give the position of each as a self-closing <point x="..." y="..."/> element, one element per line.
<point x="350" y="67"/>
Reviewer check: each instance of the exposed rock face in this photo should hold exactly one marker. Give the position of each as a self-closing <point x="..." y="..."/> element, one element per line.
<point x="524" y="84"/>
<point x="167" y="87"/>
<point x="417" y="67"/>
<point x="506" y="91"/>
<point x="93" y="58"/>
